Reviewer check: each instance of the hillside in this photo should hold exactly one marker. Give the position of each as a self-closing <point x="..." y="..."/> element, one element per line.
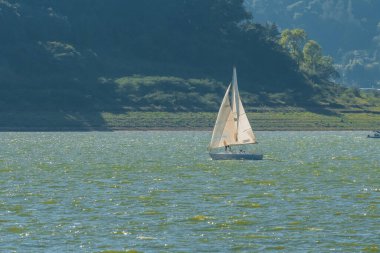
<point x="142" y="55"/>
<point x="347" y="30"/>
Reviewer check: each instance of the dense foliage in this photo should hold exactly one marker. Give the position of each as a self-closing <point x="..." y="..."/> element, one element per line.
<point x="348" y="30"/>
<point x="68" y="55"/>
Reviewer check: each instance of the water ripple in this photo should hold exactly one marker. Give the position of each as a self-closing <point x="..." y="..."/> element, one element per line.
<point x="159" y="191"/>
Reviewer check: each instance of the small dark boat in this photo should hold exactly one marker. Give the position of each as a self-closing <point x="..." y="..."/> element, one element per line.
<point x="375" y="134"/>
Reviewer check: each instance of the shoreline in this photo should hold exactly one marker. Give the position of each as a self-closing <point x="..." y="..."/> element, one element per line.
<point x="164" y="129"/>
<point x="48" y="121"/>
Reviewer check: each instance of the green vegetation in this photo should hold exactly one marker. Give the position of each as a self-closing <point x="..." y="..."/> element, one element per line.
<point x="264" y="119"/>
<point x="160" y="93"/>
<point x="68" y="55"/>
<point x="290" y="119"/>
<point x="349" y="31"/>
<point x="92" y="64"/>
<point x="308" y="55"/>
<point x="293" y="40"/>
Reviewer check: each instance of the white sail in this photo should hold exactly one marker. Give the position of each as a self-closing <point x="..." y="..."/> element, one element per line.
<point x="245" y="133"/>
<point x="224" y="126"/>
<point x="232" y="126"/>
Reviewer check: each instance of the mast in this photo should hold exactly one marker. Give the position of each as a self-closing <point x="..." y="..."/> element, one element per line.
<point x="235" y="102"/>
<point x="232" y="126"/>
<point x="244" y="133"/>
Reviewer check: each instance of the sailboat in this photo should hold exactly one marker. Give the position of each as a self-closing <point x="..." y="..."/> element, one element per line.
<point x="232" y="128"/>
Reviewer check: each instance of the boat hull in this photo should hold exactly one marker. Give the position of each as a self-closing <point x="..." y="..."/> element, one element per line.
<point x="236" y="156"/>
<point x="375" y="134"/>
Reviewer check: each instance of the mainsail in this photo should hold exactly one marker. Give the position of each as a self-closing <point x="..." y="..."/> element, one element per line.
<point x="232" y="126"/>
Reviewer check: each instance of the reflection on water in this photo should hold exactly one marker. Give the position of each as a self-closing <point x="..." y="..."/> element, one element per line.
<point x="160" y="191"/>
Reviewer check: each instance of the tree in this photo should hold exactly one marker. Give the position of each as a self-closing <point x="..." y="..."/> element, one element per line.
<point x="327" y="69"/>
<point x="315" y="63"/>
<point x="312" y="54"/>
<point x="272" y="31"/>
<point x="293" y="41"/>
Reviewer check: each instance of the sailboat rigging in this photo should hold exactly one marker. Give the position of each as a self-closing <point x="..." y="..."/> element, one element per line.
<point x="232" y="127"/>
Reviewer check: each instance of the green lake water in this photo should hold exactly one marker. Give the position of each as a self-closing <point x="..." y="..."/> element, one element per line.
<point x="158" y="191"/>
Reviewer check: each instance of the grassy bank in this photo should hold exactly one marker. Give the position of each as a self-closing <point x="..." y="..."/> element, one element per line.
<point x="271" y="120"/>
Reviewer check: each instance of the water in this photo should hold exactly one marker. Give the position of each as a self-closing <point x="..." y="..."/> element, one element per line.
<point x="160" y="192"/>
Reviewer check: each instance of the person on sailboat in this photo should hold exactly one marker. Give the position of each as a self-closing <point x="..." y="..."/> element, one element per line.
<point x="226" y="146"/>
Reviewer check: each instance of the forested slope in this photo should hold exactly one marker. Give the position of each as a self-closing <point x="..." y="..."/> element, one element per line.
<point x="348" y="30"/>
<point x="173" y="55"/>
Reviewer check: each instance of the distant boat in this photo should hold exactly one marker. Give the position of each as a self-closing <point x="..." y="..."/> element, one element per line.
<point x="375" y="134"/>
<point x="232" y="128"/>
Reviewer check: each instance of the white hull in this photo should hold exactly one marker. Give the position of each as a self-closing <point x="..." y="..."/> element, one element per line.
<point x="235" y="156"/>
